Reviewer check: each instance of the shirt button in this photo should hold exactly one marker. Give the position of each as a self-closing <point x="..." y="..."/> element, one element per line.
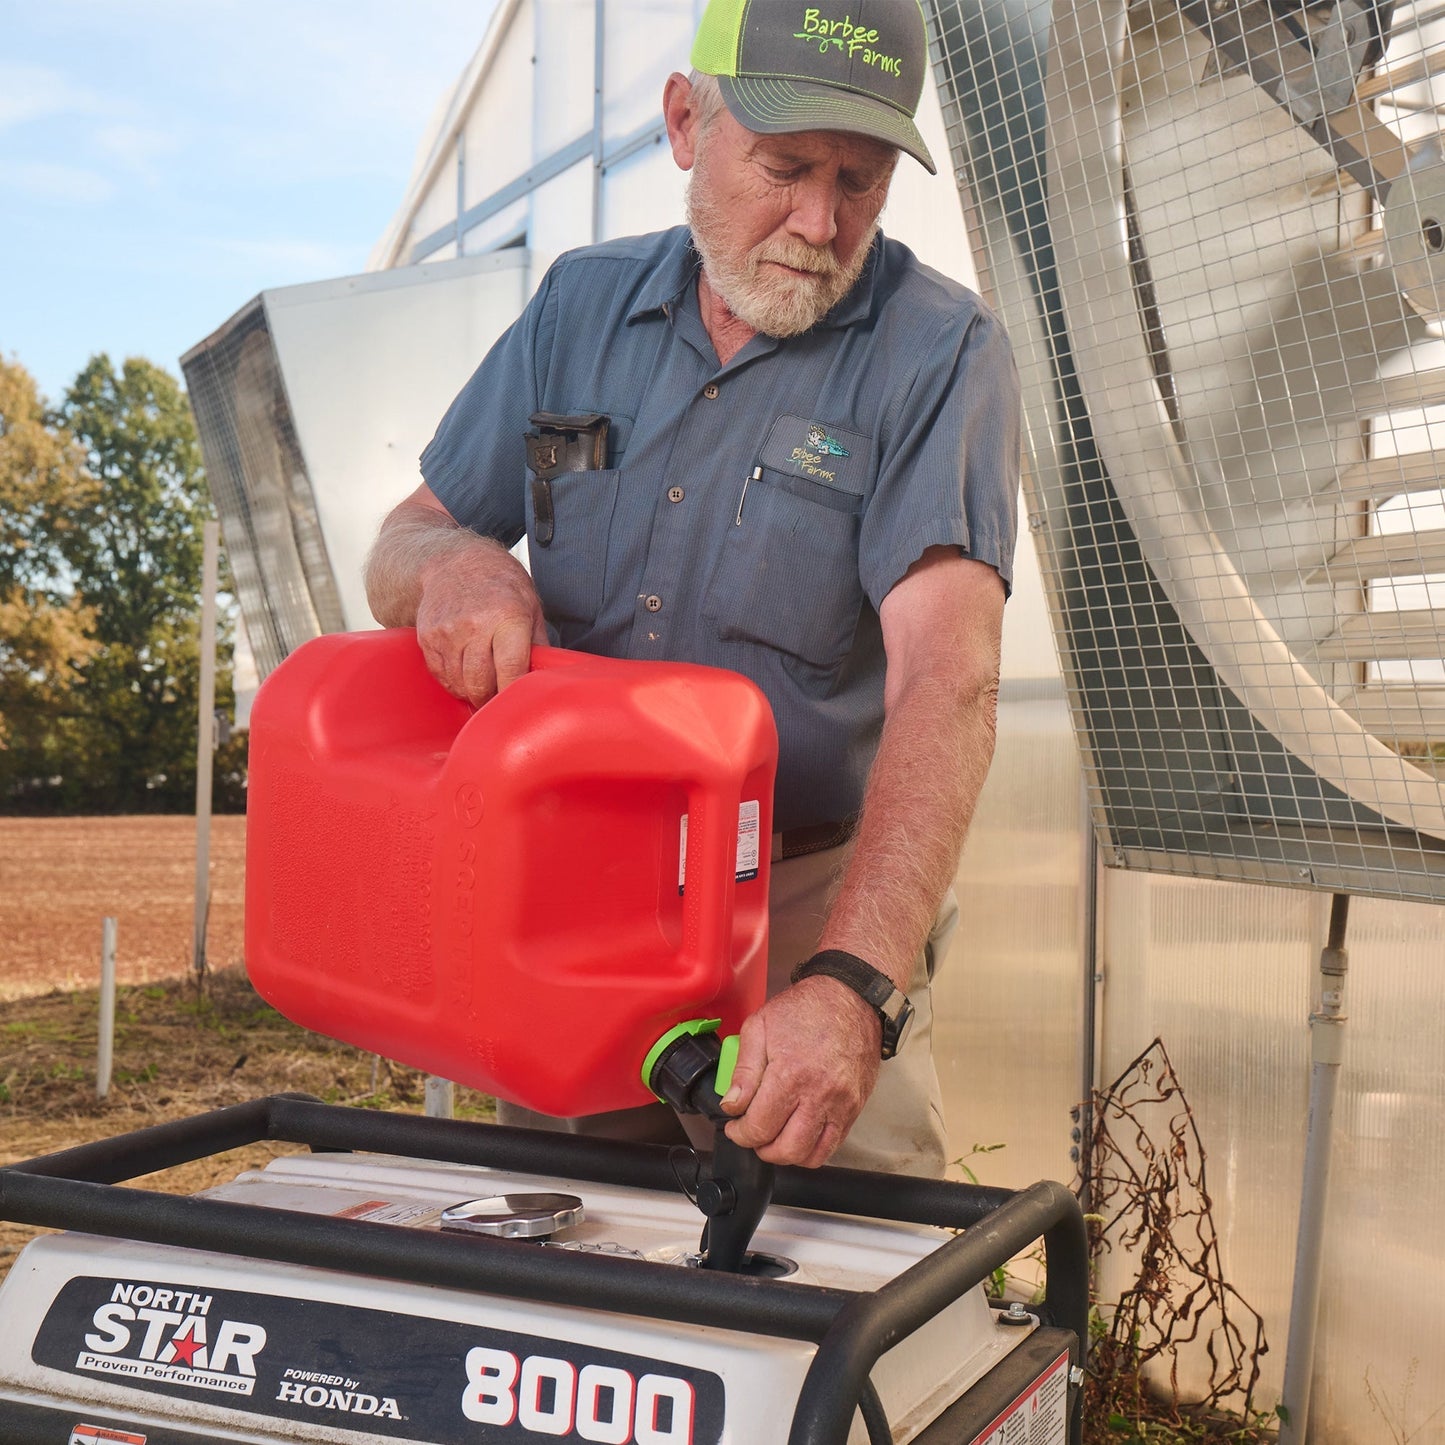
<point x="675" y="494"/>
<point x="652" y="603"/>
<point x="710" y="391"/>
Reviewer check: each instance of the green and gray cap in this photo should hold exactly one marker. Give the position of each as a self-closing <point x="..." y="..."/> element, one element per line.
<point x="854" y="66"/>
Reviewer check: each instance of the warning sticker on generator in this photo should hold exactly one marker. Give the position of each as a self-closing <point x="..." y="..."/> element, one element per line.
<point x="1040" y="1416"/>
<point x="749" y="845"/>
<point x="395" y="1375"/>
<point x="383" y="1211"/>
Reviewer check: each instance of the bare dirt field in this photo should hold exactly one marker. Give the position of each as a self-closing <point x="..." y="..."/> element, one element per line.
<point x="59" y="877"/>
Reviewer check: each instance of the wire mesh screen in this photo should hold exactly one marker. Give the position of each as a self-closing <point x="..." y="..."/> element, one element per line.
<point x="1216" y="230"/>
<point x="258" y="478"/>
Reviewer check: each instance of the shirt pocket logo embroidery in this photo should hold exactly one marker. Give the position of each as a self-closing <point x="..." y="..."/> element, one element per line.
<point x="820" y="441"/>
<point x="832" y="456"/>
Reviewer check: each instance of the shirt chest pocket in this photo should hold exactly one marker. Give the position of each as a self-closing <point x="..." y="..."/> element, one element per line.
<point x="569" y="568"/>
<point x="567" y="549"/>
<point x="787" y="574"/>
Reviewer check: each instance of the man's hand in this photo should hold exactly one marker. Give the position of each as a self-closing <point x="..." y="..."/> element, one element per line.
<point x="807" y="1062"/>
<point x="477" y="619"/>
<point x="472" y="603"/>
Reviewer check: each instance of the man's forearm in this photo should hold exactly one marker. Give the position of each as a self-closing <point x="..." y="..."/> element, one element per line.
<point x="414" y="540"/>
<point x="932" y="759"/>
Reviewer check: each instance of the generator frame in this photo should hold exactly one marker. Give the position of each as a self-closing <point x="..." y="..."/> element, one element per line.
<point x="76" y="1189"/>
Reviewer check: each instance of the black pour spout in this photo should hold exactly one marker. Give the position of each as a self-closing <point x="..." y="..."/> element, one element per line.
<point x="735" y="1186"/>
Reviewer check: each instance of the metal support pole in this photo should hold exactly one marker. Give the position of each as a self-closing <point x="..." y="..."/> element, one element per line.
<point x="461" y="189"/>
<point x="599" y="71"/>
<point x="105" y="1051"/>
<point x="1327" y="1051"/>
<point x="205" y="743"/>
<point x="1092" y="986"/>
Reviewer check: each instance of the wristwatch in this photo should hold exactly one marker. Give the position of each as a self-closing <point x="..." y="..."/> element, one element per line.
<point x="895" y="1012"/>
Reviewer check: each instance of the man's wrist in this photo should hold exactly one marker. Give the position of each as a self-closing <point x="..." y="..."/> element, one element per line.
<point x="440" y="548"/>
<point x="888" y="1002"/>
<point x="851" y="1003"/>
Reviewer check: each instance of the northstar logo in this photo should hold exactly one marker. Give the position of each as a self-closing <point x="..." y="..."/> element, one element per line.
<point x="153" y="1332"/>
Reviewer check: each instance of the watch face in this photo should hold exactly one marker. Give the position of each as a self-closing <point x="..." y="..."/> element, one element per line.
<point x="895" y="1031"/>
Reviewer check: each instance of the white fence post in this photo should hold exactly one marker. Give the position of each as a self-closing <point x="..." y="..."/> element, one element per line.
<point x="204" y="742"/>
<point x="441" y="1098"/>
<point x="106" y="1050"/>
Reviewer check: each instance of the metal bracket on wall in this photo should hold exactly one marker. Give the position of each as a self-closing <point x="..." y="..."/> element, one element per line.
<point x="571" y="154"/>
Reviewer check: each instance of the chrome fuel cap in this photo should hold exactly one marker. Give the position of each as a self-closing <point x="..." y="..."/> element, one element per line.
<point x="515" y="1216"/>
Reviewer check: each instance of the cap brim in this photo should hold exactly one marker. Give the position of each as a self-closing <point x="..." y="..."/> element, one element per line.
<point x="781" y="107"/>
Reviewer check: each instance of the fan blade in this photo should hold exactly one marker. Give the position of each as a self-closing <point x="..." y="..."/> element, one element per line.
<point x="1382" y="477"/>
<point x="1376" y="636"/>
<point x="1395" y="554"/>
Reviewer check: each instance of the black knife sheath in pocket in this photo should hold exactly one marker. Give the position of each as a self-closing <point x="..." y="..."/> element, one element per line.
<point x="557" y="444"/>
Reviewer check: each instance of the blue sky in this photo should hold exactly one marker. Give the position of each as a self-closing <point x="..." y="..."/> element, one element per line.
<point x="162" y="161"/>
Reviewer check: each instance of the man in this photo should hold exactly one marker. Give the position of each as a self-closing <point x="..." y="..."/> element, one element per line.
<point x="810" y="474"/>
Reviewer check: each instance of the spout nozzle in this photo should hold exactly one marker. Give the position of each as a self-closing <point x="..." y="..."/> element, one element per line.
<point x="743" y="1186"/>
<point x="691" y="1068"/>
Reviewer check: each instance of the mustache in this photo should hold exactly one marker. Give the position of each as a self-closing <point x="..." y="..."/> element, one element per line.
<point x="818" y="260"/>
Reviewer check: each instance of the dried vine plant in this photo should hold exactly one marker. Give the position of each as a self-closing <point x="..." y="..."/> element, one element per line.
<point x="1150" y="1199"/>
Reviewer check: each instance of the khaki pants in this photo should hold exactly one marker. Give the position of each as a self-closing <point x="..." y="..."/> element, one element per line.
<point x="901" y="1128"/>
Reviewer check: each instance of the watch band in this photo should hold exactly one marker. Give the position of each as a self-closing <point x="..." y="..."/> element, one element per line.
<point x="895" y="1012"/>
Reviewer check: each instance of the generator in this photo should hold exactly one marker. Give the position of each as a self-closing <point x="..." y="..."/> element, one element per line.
<point x="450" y="1282"/>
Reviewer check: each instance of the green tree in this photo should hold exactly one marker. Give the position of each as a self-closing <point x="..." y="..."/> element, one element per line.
<point x="43" y="627"/>
<point x="105" y="533"/>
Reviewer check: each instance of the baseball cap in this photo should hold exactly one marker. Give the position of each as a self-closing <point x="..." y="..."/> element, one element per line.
<point x="848" y="65"/>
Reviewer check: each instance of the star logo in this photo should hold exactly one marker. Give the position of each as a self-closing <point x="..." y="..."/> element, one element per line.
<point x="185" y="1347"/>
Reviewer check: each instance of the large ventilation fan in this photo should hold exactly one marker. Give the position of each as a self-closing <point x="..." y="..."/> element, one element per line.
<point x="1216" y="229"/>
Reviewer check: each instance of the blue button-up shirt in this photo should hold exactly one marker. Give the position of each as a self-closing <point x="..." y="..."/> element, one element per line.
<point x="751" y="516"/>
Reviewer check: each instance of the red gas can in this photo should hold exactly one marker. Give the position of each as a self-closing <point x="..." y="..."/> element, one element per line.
<point x="523" y="898"/>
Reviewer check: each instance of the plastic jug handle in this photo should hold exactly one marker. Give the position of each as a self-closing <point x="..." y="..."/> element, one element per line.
<point x="712" y="842"/>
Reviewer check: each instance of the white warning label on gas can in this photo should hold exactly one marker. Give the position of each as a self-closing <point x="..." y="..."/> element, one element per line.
<point x="1040" y="1416"/>
<point x="747" y="864"/>
<point x="749" y="844"/>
